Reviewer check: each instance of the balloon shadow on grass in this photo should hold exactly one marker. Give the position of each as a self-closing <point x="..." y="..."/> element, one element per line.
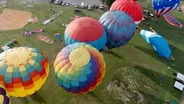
<point x="38" y="98"/>
<point x="152" y="99"/>
<point x="24" y="100"/>
<point x="95" y="96"/>
<point x="177" y="53"/>
<point x="163" y="81"/>
<point x="116" y="55"/>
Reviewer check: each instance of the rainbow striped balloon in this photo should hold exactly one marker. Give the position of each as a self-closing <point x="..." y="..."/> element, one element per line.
<point x="79" y="68"/>
<point x="23" y="71"/>
<point x="4" y="97"/>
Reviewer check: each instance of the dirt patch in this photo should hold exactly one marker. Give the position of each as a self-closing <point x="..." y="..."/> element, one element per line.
<point x="13" y="19"/>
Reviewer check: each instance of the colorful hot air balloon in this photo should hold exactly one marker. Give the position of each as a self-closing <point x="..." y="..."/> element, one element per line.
<point x="23" y="71"/>
<point x="172" y="20"/>
<point x="120" y="28"/>
<point x="86" y="30"/>
<point x="162" y="7"/>
<point x="131" y="7"/>
<point x="79" y="68"/>
<point x="4" y="97"/>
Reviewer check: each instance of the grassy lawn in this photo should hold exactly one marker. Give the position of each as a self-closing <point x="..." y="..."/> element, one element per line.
<point x="129" y="72"/>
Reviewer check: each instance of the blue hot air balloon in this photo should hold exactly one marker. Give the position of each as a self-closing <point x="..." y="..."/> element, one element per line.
<point x="162" y="7"/>
<point x="120" y="28"/>
<point x="159" y="44"/>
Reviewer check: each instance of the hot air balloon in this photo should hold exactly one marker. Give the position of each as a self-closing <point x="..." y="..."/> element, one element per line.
<point x="159" y="44"/>
<point x="162" y="7"/>
<point x="120" y="28"/>
<point x="172" y="20"/>
<point x="23" y="70"/>
<point x="4" y="97"/>
<point x="86" y="29"/>
<point x="79" y="68"/>
<point x="131" y="7"/>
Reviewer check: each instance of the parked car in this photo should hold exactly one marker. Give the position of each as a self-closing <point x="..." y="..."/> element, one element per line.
<point x="101" y="6"/>
<point x="76" y="11"/>
<point x="179" y="8"/>
<point x="63" y="3"/>
<point x="77" y="5"/>
<point x="56" y="2"/>
<point x="89" y="7"/>
<point x="86" y="6"/>
<point x="96" y="6"/>
<point x="82" y="5"/>
<point x="67" y="4"/>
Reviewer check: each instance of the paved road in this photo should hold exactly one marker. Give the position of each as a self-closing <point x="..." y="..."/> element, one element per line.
<point x="79" y="1"/>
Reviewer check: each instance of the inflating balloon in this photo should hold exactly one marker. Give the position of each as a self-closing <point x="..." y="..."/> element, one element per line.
<point x="4" y="97"/>
<point x="79" y="68"/>
<point x="159" y="44"/>
<point x="162" y="7"/>
<point x="120" y="28"/>
<point x="131" y="7"/>
<point x="23" y="71"/>
<point x="86" y="30"/>
<point x="172" y="20"/>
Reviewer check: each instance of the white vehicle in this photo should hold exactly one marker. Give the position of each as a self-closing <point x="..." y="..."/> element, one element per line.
<point x="101" y="6"/>
<point x="67" y="4"/>
<point x="56" y="2"/>
<point x="63" y="3"/>
<point x="82" y="5"/>
<point x="89" y="7"/>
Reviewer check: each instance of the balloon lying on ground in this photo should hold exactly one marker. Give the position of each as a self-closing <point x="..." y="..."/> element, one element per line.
<point x="172" y="20"/>
<point x="120" y="28"/>
<point x="4" y="97"/>
<point x="79" y="68"/>
<point x="159" y="44"/>
<point x="86" y="29"/>
<point x="162" y="7"/>
<point x="23" y="70"/>
<point x="131" y="7"/>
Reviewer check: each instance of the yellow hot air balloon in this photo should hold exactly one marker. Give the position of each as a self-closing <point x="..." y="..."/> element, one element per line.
<point x="23" y="70"/>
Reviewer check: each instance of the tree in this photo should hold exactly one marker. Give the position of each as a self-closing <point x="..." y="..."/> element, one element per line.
<point x="109" y="2"/>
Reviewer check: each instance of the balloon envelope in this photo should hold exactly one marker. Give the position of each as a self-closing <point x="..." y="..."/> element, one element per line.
<point x="87" y="30"/>
<point x="159" y="44"/>
<point x="4" y="97"/>
<point x="79" y="68"/>
<point x="172" y="20"/>
<point x="131" y="7"/>
<point x="120" y="28"/>
<point x="23" y="71"/>
<point x="162" y="7"/>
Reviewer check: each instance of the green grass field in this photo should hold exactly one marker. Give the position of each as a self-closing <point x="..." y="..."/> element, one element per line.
<point x="129" y="69"/>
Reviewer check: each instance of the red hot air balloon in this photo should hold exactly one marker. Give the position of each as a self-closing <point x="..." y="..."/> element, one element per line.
<point x="131" y="7"/>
